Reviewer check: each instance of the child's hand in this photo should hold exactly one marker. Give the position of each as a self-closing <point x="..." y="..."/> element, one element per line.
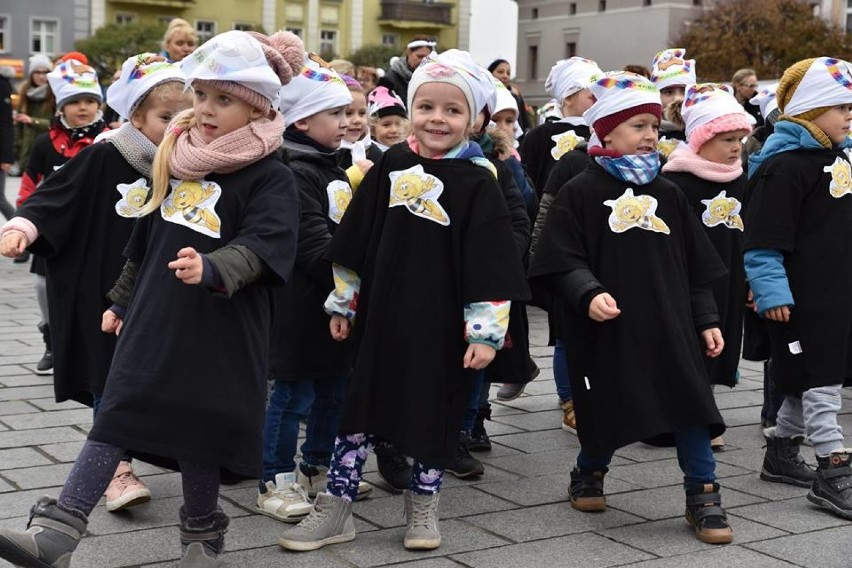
<point x="188" y="266"/>
<point x="750" y="301"/>
<point x="779" y="314"/>
<point x="339" y="327"/>
<point x="478" y="356"/>
<point x="364" y="165"/>
<point x="111" y="323"/>
<point x="13" y="244"/>
<point x="714" y="342"/>
<point x="603" y="308"/>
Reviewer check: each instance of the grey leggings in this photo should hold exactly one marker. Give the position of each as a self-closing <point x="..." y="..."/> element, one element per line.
<point x="40" y="285"/>
<point x="815" y="415"/>
<point x="95" y="467"/>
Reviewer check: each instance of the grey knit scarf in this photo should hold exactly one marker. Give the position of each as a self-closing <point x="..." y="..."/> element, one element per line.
<point x="401" y="67"/>
<point x="135" y="148"/>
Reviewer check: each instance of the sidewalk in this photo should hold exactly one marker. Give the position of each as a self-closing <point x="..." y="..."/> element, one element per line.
<point x="517" y="515"/>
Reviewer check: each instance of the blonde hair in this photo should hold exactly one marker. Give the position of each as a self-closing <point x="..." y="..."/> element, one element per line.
<point x="176" y="26"/>
<point x="374" y="121"/>
<point x="342" y="66"/>
<point x="168" y="91"/>
<point x="160" y="175"/>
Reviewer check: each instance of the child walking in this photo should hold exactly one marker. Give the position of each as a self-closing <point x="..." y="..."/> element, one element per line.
<point x="798" y="262"/>
<point x="425" y="269"/>
<point x="79" y="221"/>
<point x="77" y="122"/>
<point x="624" y="251"/>
<point x="708" y="169"/>
<point x="187" y="385"/>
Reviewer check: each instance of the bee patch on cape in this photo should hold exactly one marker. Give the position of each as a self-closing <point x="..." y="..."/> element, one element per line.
<point x="841" y="178"/>
<point x="133" y="198"/>
<point x="192" y="204"/>
<point x="418" y="192"/>
<point x="339" y="196"/>
<point x="722" y="210"/>
<point x="564" y="143"/>
<point x="635" y="211"/>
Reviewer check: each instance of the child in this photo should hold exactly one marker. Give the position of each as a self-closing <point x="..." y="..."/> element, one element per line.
<point x="568" y="83"/>
<point x="78" y="121"/>
<point x="308" y="367"/>
<point x="389" y="122"/>
<point x="187" y="383"/>
<point x="633" y="330"/>
<point x="357" y="151"/>
<point x="798" y="226"/>
<point x="671" y="72"/>
<point x="709" y="172"/>
<point x="81" y="234"/>
<point x="422" y="254"/>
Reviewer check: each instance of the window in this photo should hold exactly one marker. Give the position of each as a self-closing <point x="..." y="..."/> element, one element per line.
<point x="535" y="13"/>
<point x="44" y="36"/>
<point x="570" y="49"/>
<point x="697" y="2"/>
<point x="243" y="27"/>
<point x="533" y="62"/>
<point x="328" y="44"/>
<point x="164" y="20"/>
<point x="646" y="2"/>
<point x="601" y="5"/>
<point x="848" y="16"/>
<point x="122" y="18"/>
<point x="390" y="40"/>
<point x="296" y="31"/>
<point x="5" y="43"/>
<point x="572" y="8"/>
<point x="204" y="29"/>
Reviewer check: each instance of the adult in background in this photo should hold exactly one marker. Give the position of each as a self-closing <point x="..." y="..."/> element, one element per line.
<point x="745" y="86"/>
<point x="399" y="74"/>
<point x="36" y="107"/>
<point x="502" y="69"/>
<point x="179" y="40"/>
<point x="6" y="149"/>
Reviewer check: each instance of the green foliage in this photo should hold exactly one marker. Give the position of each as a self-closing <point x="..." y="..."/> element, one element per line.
<point x="114" y="43"/>
<point x="374" y="56"/>
<point x="767" y="36"/>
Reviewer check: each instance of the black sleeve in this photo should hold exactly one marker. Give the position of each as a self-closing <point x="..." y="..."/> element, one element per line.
<point x="515" y="203"/>
<point x="6" y="146"/>
<point x="568" y="166"/>
<point x="541" y="217"/>
<point x="704" y="312"/>
<point x="577" y="288"/>
<point x="238" y="267"/>
<point x="314" y="235"/>
<point x="531" y="157"/>
<point x="123" y="289"/>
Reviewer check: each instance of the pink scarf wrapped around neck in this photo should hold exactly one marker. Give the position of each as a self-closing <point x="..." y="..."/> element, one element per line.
<point x="193" y="158"/>
<point x="684" y="159"/>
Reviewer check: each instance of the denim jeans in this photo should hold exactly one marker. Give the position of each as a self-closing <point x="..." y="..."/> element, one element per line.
<point x="317" y="401"/>
<point x="694" y="456"/>
<point x="478" y="399"/>
<point x="560" y="372"/>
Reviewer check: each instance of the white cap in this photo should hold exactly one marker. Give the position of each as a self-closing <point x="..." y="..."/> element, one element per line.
<point x="570" y="76"/>
<point x="71" y="80"/>
<point x="140" y="74"/>
<point x="315" y="89"/>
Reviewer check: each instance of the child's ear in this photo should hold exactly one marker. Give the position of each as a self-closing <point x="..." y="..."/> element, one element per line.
<point x="302" y="125"/>
<point x="256" y="113"/>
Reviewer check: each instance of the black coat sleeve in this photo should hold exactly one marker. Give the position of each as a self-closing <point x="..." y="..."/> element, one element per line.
<point x="705" y="315"/>
<point x="314" y="236"/>
<point x="6" y="146"/>
<point x="515" y="203"/>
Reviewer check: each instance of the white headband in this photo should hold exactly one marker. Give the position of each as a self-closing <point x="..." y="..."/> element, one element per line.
<point x="421" y="43"/>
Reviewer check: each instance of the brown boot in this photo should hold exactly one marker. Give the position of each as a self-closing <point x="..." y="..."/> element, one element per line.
<point x="705" y="513"/>
<point x="586" y="490"/>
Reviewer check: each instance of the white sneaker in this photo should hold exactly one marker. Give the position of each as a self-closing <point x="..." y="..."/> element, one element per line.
<point x="284" y="499"/>
<point x="317" y="483"/>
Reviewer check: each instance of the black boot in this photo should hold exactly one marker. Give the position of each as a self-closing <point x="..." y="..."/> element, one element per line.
<point x="705" y="513"/>
<point x="479" y="441"/>
<point x="52" y="534"/>
<point x="464" y="464"/>
<point x="782" y="462"/>
<point x="833" y="486"/>
<point x="45" y="365"/>
<point x="393" y="466"/>
<point x="202" y="539"/>
<point x="586" y="490"/>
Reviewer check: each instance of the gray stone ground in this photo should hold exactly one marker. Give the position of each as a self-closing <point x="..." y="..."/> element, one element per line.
<point x="517" y="515"/>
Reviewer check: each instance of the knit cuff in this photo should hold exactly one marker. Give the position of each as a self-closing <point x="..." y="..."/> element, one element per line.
<point x="20" y="225"/>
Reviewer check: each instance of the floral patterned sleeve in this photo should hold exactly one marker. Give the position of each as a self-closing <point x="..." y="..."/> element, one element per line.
<point x="487" y="322"/>
<point x="343" y="300"/>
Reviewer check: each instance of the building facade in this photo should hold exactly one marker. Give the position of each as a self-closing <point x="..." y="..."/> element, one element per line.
<point x="614" y="33"/>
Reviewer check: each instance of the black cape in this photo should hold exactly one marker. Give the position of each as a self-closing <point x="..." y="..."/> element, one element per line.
<point x="408" y="385"/>
<point x="537" y="147"/>
<point x="81" y="237"/>
<point x="641" y="375"/>
<point x="726" y="234"/>
<point x="800" y="204"/>
<point x="188" y="379"/>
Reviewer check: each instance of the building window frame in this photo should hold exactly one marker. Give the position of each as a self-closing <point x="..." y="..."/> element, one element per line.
<point x="295" y="31"/>
<point x="5" y="33"/>
<point x="43" y="35"/>
<point x="124" y="18"/>
<point x="532" y="62"/>
<point x="391" y="40"/>
<point x="243" y="26"/>
<point x="205" y="34"/>
<point x="327" y="44"/>
<point x="572" y="8"/>
<point x="601" y="5"/>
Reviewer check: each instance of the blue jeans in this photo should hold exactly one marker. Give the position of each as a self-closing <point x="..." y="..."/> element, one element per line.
<point x="694" y="456"/>
<point x="560" y="372"/>
<point x="478" y="399"/>
<point x="317" y="401"/>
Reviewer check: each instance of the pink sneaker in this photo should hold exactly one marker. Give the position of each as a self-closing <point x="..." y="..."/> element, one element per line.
<point x="125" y="489"/>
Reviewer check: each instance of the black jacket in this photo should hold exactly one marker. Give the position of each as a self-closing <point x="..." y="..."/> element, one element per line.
<point x="7" y="155"/>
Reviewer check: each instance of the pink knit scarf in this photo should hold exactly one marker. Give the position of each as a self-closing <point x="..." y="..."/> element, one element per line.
<point x="684" y="159"/>
<point x="192" y="158"/>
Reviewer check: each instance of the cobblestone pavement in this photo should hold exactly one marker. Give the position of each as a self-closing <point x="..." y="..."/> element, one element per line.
<point x="516" y="515"/>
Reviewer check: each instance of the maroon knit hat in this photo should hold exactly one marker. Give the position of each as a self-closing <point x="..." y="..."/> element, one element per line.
<point x="606" y="124"/>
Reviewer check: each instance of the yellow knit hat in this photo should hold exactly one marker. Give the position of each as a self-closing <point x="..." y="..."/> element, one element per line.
<point x="788" y="84"/>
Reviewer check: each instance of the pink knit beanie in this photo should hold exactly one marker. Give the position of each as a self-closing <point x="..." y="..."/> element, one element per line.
<point x="727" y="123"/>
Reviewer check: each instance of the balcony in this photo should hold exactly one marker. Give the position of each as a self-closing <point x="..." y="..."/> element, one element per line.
<point x="159" y="3"/>
<point x="416" y="13"/>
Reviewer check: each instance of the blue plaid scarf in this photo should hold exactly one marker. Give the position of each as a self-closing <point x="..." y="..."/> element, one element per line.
<point x="639" y="169"/>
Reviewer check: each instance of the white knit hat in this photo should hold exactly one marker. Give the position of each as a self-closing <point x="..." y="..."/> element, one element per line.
<point x="670" y="68"/>
<point x="503" y="99"/>
<point x="40" y="61"/>
<point x="570" y="76"/>
<point x="457" y="68"/>
<point x="617" y="95"/>
<point x="139" y="75"/>
<point x="315" y="89"/>
<point x="71" y="80"/>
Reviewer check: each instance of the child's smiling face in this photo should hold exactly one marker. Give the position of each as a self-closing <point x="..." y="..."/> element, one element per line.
<point x="440" y="118"/>
<point x="636" y="135"/>
<point x="356" y="116"/>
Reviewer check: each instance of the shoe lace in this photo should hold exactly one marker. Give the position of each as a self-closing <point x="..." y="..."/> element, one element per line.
<point x="290" y="491"/>
<point x="314" y="520"/>
<point x="125" y="480"/>
<point x="422" y="515"/>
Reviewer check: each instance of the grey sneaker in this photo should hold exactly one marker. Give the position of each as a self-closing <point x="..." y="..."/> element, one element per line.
<point x="510" y="391"/>
<point x="314" y="478"/>
<point x="50" y="539"/>
<point x="283" y="499"/>
<point x="330" y="522"/>
<point x="421" y="517"/>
